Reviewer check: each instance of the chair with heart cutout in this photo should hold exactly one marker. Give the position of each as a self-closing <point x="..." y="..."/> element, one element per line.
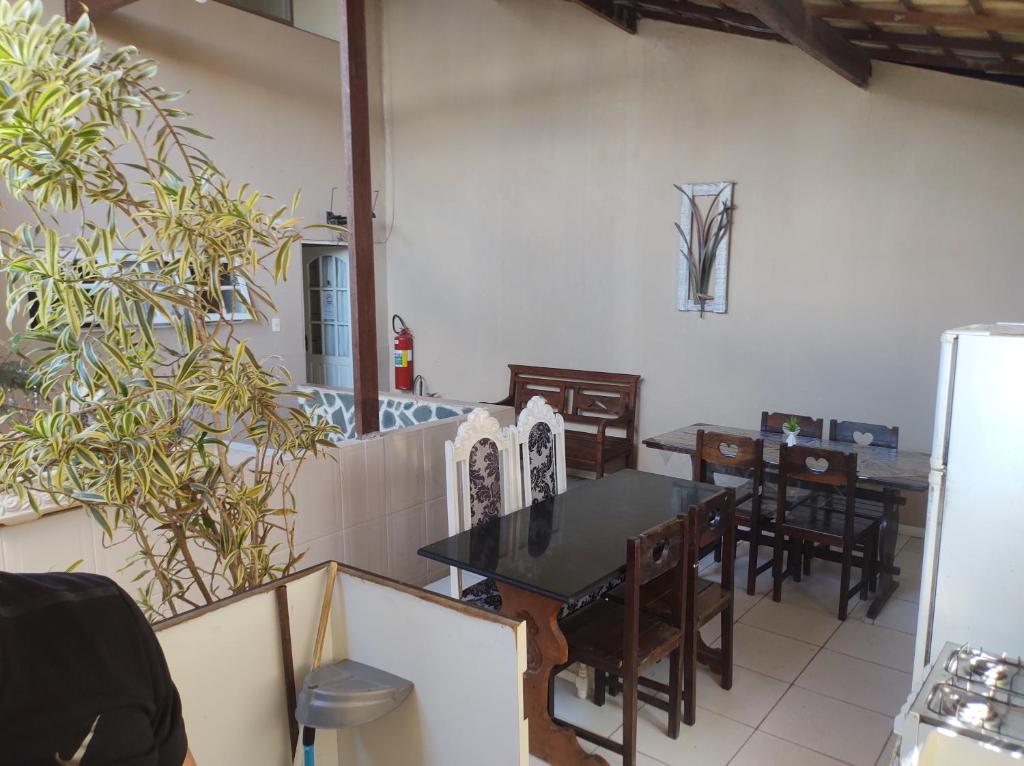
<point x="741" y="459"/>
<point x="872" y="502"/>
<point x="829" y="522"/>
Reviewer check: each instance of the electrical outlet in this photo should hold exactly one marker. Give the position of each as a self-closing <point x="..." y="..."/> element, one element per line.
<point x="275" y="324"/>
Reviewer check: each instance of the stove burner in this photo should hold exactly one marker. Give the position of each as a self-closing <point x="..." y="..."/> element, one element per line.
<point x="975" y="665"/>
<point x="963" y="706"/>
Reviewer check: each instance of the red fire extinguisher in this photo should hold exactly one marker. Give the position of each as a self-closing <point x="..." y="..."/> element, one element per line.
<point x="403" y="354"/>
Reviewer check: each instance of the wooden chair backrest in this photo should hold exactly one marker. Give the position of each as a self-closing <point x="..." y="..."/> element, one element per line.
<point x="581" y="396"/>
<point x="772" y="422"/>
<point x="813" y="466"/>
<point x="537" y="427"/>
<point x="728" y="454"/>
<point x="712" y="521"/>
<point x="655" y="552"/>
<point x="709" y="523"/>
<point x="865" y="434"/>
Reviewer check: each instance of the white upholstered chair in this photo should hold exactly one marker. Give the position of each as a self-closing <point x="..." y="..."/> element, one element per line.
<point x="540" y="448"/>
<point x="482" y="483"/>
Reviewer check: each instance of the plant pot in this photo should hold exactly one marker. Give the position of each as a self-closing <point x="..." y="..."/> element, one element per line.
<point x="790" y="436"/>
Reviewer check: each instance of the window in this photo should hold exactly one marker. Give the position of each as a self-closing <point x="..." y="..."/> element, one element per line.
<point x="232" y="303"/>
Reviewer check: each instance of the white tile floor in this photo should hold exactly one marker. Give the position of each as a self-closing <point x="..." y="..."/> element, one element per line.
<point x="808" y="690"/>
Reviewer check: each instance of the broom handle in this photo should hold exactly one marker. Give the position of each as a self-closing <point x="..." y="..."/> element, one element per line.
<point x="309" y="733"/>
<point x="325" y="614"/>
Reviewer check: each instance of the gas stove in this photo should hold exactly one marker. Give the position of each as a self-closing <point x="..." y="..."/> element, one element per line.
<point x="972" y="694"/>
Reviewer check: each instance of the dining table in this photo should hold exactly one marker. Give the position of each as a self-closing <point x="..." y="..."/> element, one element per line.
<point x="558" y="551"/>
<point x="882" y="472"/>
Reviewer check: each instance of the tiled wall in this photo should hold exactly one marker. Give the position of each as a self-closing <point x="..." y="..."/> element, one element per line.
<point x="372" y="504"/>
<point x="392" y="499"/>
<point x="396" y="410"/>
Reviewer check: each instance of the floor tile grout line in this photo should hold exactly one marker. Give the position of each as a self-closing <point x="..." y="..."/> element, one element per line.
<point x="811" y="749"/>
<point x="884" y="745"/>
<point x="840" y="699"/>
<point x="779" y="701"/>
<point x="879" y="664"/>
<point x="870" y="662"/>
<point x="740" y="748"/>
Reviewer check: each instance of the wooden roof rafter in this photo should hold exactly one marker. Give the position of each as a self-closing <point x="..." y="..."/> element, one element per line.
<point x="899" y="39"/>
<point x="714" y="17"/>
<point x="919" y="18"/>
<point x="958" y="36"/>
<point x="820" y="41"/>
<point x="979" y="9"/>
<point x="73" y="9"/>
<point x="617" y="12"/>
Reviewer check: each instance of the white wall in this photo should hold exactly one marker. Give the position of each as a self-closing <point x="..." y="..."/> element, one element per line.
<point x="535" y="148"/>
<point x="466" y="666"/>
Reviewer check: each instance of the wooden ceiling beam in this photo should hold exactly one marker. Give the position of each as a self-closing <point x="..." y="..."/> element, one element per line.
<point x="617" y="13"/>
<point x="981" y="44"/>
<point x="73" y="9"/>
<point x="979" y="9"/>
<point x="712" y="23"/>
<point x="811" y="35"/>
<point x="990" y="66"/>
<point x="919" y="18"/>
<point x="649" y="9"/>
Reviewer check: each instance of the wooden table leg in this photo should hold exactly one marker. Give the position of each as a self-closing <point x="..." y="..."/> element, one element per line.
<point x="546" y="649"/>
<point x="889" y="530"/>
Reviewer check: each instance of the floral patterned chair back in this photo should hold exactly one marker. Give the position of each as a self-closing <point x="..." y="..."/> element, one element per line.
<point x="482" y="482"/>
<point x="540" y="444"/>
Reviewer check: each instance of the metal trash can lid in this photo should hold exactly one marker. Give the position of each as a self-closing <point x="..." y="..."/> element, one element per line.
<point x="348" y="693"/>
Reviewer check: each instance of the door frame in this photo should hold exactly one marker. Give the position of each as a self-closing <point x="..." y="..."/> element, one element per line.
<point x="315" y="249"/>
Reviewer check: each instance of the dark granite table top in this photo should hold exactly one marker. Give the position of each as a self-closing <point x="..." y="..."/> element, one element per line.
<point x="570" y="545"/>
<point x="896" y="468"/>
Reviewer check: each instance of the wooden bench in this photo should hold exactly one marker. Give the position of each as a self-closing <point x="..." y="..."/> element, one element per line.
<point x="593" y="401"/>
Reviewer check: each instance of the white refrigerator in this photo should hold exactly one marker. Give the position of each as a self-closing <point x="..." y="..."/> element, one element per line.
<point x="972" y="581"/>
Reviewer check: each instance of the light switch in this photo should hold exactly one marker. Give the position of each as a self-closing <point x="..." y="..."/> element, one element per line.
<point x="275" y="324"/>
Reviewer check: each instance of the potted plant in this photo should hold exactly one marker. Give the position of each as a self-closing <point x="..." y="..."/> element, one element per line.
<point x="791" y="428"/>
<point x="153" y="415"/>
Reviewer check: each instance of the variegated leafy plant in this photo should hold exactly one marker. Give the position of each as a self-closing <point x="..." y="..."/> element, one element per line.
<point x="155" y="416"/>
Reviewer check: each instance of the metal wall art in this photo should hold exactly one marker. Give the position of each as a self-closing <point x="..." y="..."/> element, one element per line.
<point x="705" y="222"/>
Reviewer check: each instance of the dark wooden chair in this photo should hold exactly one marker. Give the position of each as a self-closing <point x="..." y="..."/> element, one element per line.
<point x="827" y="521"/>
<point x="623" y="639"/>
<point x="872" y="502"/>
<point x="742" y="457"/>
<point x="593" y="402"/>
<point x="772" y="422"/>
<point x="865" y="434"/>
<point x="708" y="524"/>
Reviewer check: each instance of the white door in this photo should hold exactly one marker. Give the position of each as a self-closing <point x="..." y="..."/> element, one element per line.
<point x="328" y="315"/>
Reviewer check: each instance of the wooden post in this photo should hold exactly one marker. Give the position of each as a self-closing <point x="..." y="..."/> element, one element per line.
<point x="356" y="121"/>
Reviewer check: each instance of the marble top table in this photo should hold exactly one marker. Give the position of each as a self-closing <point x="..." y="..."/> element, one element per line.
<point x="570" y="545"/>
<point x="553" y="552"/>
<point x="895" y="468"/>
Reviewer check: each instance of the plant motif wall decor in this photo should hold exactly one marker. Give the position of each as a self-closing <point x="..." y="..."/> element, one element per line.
<point x="153" y="415"/>
<point x="705" y="220"/>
